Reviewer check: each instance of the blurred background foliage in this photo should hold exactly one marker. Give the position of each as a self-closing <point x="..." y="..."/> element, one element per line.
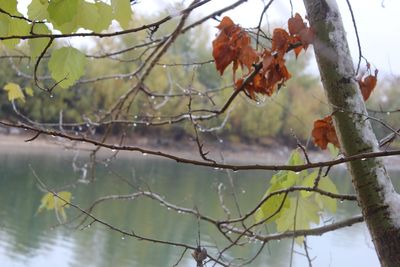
<point x="281" y="119"/>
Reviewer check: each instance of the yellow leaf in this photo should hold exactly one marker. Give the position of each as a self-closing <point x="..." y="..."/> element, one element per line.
<point x="57" y="202"/>
<point x="14" y="92"/>
<point x="29" y="91"/>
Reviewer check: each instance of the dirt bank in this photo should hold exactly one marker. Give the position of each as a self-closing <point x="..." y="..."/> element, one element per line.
<point x="230" y="153"/>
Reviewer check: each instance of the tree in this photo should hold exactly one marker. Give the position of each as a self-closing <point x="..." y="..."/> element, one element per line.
<point x="376" y="196"/>
<point x="149" y="92"/>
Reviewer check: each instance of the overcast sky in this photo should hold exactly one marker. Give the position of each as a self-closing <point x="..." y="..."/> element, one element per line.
<point x="378" y="24"/>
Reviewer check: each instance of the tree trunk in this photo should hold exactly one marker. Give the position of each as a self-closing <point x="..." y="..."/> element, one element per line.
<point x="379" y="202"/>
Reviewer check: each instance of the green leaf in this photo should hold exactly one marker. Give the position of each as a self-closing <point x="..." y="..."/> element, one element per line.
<point x="19" y="27"/>
<point x="295" y="158"/>
<point x="333" y="150"/>
<point x="122" y="12"/>
<point x="62" y="11"/>
<point x="284" y="178"/>
<point x="67" y="65"/>
<point x="37" y="10"/>
<point x="95" y="17"/>
<point x="281" y="180"/>
<point x="4" y="30"/>
<point x="325" y="202"/>
<point x="68" y="27"/>
<point x="12" y="26"/>
<point x="87" y="16"/>
<point x="291" y="179"/>
<point x="10" y="6"/>
<point x="36" y="46"/>
<point x="14" y="92"/>
<point x="308" y="181"/>
<point x="271" y="206"/>
<point x="305" y="207"/>
<point x="91" y="16"/>
<point x="307" y="213"/>
<point x="105" y="16"/>
<point x="279" y="177"/>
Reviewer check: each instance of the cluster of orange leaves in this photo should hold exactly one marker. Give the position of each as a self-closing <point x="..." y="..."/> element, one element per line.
<point x="324" y="131"/>
<point x="233" y="45"/>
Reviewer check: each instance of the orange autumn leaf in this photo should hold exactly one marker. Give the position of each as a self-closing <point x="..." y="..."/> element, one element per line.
<point x="223" y="51"/>
<point x="299" y="32"/>
<point x="307" y="37"/>
<point x="296" y="24"/>
<point x="278" y="74"/>
<point x="367" y="85"/>
<point x="280" y="41"/>
<point x="247" y="56"/>
<point x="324" y="132"/>
<point x="296" y="44"/>
<point x="223" y="55"/>
<point x="268" y="60"/>
<point x="270" y="78"/>
<point x="232" y="45"/>
<point x="226" y="22"/>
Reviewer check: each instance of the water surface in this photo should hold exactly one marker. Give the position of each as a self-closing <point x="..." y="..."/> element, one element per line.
<point x="31" y="239"/>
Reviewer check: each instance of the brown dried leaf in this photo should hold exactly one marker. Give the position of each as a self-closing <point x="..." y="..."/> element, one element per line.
<point x="273" y="75"/>
<point x="232" y="44"/>
<point x="226" y="22"/>
<point x="367" y="85"/>
<point x="247" y="56"/>
<point x="307" y="37"/>
<point x="324" y="132"/>
<point x="223" y="55"/>
<point x="296" y="24"/>
<point x="280" y="41"/>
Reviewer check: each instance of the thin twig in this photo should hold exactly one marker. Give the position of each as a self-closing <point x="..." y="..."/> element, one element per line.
<point x="360" y="56"/>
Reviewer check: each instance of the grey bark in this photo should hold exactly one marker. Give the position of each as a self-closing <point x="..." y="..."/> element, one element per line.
<point x="376" y="197"/>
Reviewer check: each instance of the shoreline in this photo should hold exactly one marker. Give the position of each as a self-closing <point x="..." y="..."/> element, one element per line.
<point x="241" y="153"/>
<point x="230" y="153"/>
<point x="236" y="153"/>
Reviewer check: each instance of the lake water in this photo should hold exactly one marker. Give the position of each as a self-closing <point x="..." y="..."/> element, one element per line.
<point x="29" y="239"/>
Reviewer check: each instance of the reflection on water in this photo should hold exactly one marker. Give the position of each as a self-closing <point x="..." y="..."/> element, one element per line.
<point x="30" y="239"/>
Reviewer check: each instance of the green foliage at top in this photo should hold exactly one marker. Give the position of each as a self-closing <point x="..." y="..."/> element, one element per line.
<point x="10" y="6"/>
<point x="299" y="210"/>
<point x="10" y="27"/>
<point x="62" y="11"/>
<point x="37" y="10"/>
<point x="67" y="16"/>
<point x="122" y="12"/>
